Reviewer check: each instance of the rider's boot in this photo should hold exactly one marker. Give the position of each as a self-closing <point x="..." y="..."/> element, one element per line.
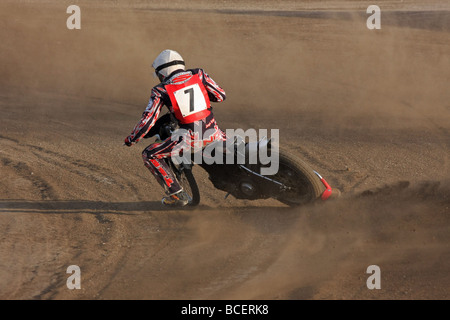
<point x="178" y="199"/>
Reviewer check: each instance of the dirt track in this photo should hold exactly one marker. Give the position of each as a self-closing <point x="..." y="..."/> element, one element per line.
<point x="368" y="109"/>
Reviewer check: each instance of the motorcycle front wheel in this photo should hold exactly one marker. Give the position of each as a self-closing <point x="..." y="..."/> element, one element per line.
<point x="304" y="186"/>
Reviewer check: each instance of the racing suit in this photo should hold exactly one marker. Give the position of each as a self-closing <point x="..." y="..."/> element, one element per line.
<point x="187" y="94"/>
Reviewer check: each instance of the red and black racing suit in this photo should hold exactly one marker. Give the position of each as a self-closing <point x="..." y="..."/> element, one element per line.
<point x="188" y="95"/>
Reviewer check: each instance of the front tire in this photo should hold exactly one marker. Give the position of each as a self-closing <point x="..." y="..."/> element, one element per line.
<point x="304" y="184"/>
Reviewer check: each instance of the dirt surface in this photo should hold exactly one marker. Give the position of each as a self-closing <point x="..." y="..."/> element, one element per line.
<point x="368" y="109"/>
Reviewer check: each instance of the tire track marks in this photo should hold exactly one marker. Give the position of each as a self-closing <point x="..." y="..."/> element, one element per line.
<point x="46" y="158"/>
<point x="45" y="190"/>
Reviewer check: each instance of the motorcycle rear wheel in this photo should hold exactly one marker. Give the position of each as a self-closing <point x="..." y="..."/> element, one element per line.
<point x="189" y="184"/>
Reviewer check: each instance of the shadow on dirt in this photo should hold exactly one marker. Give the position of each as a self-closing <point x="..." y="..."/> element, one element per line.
<point x="424" y="19"/>
<point x="124" y="208"/>
<point x="435" y="191"/>
<point x="79" y="206"/>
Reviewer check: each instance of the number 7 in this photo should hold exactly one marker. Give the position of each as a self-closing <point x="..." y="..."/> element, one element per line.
<point x="190" y="91"/>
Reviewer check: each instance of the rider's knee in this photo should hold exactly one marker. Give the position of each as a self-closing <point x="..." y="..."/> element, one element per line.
<point x="146" y="156"/>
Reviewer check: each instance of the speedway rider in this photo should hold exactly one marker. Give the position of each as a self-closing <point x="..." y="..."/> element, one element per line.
<point x="188" y="95"/>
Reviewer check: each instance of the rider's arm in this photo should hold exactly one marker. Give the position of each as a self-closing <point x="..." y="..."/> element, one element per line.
<point x="148" y="118"/>
<point x="215" y="92"/>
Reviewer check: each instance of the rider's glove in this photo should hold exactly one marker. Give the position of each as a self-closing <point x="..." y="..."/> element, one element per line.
<point x="128" y="142"/>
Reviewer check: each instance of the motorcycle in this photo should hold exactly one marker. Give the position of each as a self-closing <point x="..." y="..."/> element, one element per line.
<point x="294" y="184"/>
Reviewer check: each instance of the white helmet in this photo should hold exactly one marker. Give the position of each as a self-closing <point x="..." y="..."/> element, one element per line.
<point x="167" y="62"/>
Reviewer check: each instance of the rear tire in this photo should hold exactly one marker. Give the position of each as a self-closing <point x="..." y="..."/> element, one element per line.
<point x="189" y="184"/>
